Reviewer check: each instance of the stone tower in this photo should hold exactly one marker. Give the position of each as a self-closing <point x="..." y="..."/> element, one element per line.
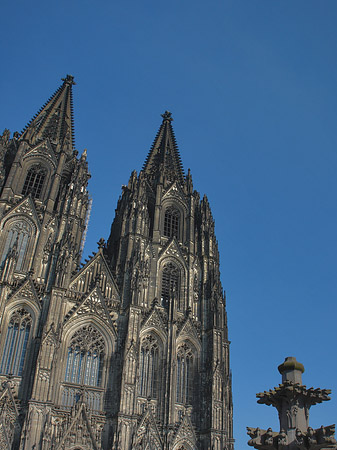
<point x="175" y="376"/>
<point x="43" y="211"/>
<point x="131" y="350"/>
<point x="293" y="401"/>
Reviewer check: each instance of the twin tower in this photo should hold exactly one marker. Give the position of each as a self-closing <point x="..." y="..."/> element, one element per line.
<point x="131" y="350"/>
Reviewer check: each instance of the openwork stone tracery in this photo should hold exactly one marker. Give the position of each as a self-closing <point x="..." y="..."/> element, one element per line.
<point x="170" y="284"/>
<point x="185" y="374"/>
<point x="34" y="181"/>
<point x="149" y="370"/>
<point x="85" y="356"/>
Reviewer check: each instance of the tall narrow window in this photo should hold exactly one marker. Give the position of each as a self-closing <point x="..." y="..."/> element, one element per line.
<point x="171" y="222"/>
<point x="170" y="284"/>
<point x="18" y="233"/>
<point x="185" y="374"/>
<point x="34" y="181"/>
<point x="15" y="347"/>
<point x="149" y="367"/>
<point x="85" y="357"/>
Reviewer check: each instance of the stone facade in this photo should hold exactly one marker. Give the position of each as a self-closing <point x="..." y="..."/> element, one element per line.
<point x="129" y="350"/>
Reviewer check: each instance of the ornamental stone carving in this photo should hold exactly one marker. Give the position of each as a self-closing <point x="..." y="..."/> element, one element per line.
<point x="293" y="400"/>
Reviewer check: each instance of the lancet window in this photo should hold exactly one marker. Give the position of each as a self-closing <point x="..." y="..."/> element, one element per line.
<point x="18" y="235"/>
<point x="16" y="341"/>
<point x="85" y="357"/>
<point x="170" y="283"/>
<point x="185" y="374"/>
<point x="149" y="367"/>
<point x="171" y="222"/>
<point x="34" y="181"/>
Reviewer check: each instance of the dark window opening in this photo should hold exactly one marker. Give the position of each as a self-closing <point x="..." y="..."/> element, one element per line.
<point x="34" y="181"/>
<point x="171" y="222"/>
<point x="169" y="284"/>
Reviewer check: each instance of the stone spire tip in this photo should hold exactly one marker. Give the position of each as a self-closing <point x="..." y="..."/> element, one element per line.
<point x="167" y="116"/>
<point x="69" y="79"/>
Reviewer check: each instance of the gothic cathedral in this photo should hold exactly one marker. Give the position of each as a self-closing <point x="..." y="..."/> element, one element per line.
<point x="129" y="350"/>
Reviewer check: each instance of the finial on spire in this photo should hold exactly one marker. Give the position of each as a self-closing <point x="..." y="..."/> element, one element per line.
<point x="69" y="79"/>
<point x="167" y="116"/>
<point x="101" y="243"/>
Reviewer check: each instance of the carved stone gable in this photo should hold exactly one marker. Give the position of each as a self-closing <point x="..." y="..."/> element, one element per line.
<point x="189" y="329"/>
<point x="8" y="416"/>
<point x="50" y="337"/>
<point x="79" y="431"/>
<point x="154" y="320"/>
<point x="173" y="249"/>
<point x="26" y="291"/>
<point x="175" y="191"/>
<point x="147" y="435"/>
<point x="96" y="271"/>
<point x="43" y="150"/>
<point x="94" y="304"/>
<point x="27" y="208"/>
<point x="185" y="433"/>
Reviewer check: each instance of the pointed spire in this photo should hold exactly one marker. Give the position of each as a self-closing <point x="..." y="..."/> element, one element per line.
<point x="55" y="119"/>
<point x="163" y="158"/>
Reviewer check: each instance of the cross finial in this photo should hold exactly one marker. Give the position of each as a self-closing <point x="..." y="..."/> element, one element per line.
<point x="101" y="243"/>
<point x="69" y="79"/>
<point x="167" y="116"/>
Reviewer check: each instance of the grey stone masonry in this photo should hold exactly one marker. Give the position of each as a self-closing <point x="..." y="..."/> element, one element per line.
<point x="293" y="400"/>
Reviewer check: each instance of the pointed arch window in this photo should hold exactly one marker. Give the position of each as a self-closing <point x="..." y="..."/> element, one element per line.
<point x="171" y="222"/>
<point x="149" y="367"/>
<point x="185" y="374"/>
<point x="85" y="357"/>
<point x="19" y="235"/>
<point x="16" y="341"/>
<point x="34" y="181"/>
<point x="170" y="284"/>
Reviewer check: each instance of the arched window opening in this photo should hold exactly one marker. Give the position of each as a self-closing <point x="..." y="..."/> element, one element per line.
<point x="16" y="341"/>
<point x="19" y="235"/>
<point x="170" y="284"/>
<point x="85" y="357"/>
<point x="171" y="222"/>
<point x="185" y="374"/>
<point x="149" y="367"/>
<point x="34" y="181"/>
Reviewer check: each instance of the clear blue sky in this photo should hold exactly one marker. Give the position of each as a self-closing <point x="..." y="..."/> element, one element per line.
<point x="252" y="87"/>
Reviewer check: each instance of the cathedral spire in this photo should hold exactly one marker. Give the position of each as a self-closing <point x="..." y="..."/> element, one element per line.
<point x="163" y="158"/>
<point x="55" y="119"/>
